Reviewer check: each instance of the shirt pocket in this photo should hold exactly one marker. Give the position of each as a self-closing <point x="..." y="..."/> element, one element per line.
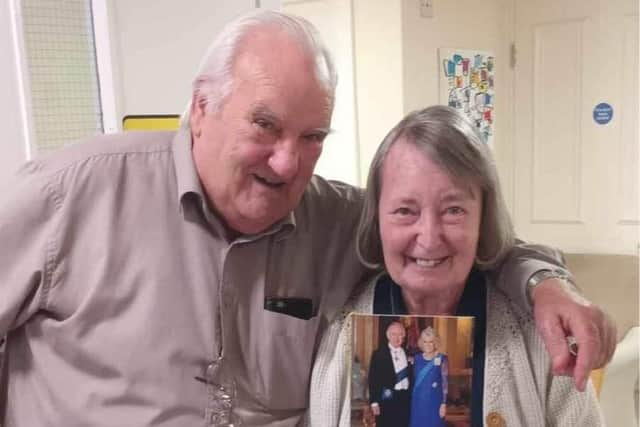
<point x="283" y="360"/>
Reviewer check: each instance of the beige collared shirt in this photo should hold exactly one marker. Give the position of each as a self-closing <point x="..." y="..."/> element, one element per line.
<point x="118" y="288"/>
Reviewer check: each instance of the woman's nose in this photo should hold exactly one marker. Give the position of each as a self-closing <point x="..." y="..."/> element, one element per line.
<point x="429" y="231"/>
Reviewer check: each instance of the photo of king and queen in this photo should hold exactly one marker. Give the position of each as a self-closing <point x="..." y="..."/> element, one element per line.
<point x="411" y="371"/>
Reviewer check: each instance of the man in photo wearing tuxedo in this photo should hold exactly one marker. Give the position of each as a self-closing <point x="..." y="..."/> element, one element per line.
<point x="389" y="386"/>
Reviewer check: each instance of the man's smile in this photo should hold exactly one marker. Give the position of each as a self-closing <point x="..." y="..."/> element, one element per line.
<point x="268" y="182"/>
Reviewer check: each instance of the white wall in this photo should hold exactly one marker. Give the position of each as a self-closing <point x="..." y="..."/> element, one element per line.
<point x="334" y="21"/>
<point x="12" y="143"/>
<point x="158" y="46"/>
<point x="397" y="71"/>
<point x="379" y="73"/>
<point x="397" y="68"/>
<point x="463" y="24"/>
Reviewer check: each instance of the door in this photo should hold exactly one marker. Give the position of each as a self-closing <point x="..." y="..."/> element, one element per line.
<point x="576" y="181"/>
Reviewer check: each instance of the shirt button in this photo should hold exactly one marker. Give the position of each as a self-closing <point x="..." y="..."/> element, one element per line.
<point x="211" y="370"/>
<point x="494" y="419"/>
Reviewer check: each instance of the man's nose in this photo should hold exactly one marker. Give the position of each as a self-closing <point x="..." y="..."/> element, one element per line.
<point x="285" y="160"/>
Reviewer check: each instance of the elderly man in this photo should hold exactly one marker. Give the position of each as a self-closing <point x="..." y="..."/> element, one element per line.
<point x="152" y="279"/>
<point x="389" y="380"/>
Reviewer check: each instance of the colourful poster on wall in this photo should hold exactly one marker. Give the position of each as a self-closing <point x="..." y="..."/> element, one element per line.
<point x="467" y="84"/>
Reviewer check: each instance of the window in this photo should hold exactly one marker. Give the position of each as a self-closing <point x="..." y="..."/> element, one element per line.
<point x="61" y="71"/>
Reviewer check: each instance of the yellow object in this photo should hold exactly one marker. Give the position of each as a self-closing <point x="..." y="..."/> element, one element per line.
<point x="597" y="375"/>
<point x="151" y="122"/>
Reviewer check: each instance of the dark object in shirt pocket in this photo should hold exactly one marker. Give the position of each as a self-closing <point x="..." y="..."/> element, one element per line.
<point x="302" y="308"/>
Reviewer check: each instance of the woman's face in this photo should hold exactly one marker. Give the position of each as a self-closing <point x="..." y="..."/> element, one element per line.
<point x="429" y="345"/>
<point x="429" y="224"/>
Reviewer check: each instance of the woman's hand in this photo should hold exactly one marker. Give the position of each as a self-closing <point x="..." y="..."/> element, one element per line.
<point x="443" y="410"/>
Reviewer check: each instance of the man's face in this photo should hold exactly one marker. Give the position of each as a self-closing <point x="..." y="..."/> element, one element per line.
<point x="256" y="154"/>
<point x="395" y="334"/>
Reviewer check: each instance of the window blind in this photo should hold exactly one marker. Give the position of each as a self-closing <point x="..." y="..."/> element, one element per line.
<point x="62" y="73"/>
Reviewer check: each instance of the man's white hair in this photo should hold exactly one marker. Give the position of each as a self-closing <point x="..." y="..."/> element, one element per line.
<point x="214" y="79"/>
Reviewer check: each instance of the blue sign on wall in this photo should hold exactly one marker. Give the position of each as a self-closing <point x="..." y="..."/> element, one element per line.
<point x="602" y="113"/>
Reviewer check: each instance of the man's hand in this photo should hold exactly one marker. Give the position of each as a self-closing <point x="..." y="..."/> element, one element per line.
<point x="369" y="415"/>
<point x="375" y="410"/>
<point x="560" y="312"/>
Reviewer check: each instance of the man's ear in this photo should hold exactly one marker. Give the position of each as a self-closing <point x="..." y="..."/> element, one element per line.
<point x="203" y="85"/>
<point x="197" y="113"/>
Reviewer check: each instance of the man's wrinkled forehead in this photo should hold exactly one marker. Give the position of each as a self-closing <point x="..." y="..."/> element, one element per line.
<point x="395" y="327"/>
<point x="268" y="42"/>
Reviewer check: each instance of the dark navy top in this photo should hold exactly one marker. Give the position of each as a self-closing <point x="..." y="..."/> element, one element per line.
<point x="388" y="300"/>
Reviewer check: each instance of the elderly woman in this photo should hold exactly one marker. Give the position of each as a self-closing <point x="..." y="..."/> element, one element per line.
<point x="435" y="218"/>
<point x="430" y="383"/>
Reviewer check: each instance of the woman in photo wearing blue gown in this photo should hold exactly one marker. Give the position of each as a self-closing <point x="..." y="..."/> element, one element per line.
<point x="429" y="397"/>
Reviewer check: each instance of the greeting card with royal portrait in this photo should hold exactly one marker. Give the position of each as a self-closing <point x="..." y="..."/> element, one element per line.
<point x="411" y="370"/>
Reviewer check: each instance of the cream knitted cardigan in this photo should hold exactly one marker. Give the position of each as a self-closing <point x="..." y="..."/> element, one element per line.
<point x="518" y="384"/>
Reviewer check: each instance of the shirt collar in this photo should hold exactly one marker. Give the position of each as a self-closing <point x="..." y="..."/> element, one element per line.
<point x="186" y="176"/>
<point x="395" y="349"/>
<point x="190" y="191"/>
<point x="281" y="230"/>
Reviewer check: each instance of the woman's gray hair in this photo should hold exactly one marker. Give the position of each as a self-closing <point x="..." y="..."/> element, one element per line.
<point x="429" y="332"/>
<point x="214" y="78"/>
<point x="451" y="141"/>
